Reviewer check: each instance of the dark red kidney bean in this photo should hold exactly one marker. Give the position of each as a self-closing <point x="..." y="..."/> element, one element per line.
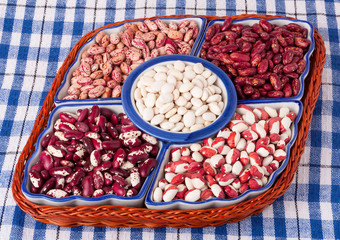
<point x="275" y="94"/>
<point x="112" y="130"/>
<point x="112" y="145"/>
<point x="301" y="66"/>
<point x="248" y="39"/>
<point x="119" y="158"/>
<point x="265" y="36"/>
<point x="236" y="27"/>
<point x="290" y="41"/>
<point x="77" y="177"/>
<point x="118" y="171"/>
<point x="65" y="127"/>
<point x="290" y="68"/>
<point x="270" y="65"/>
<point x="217" y="28"/>
<point x="255" y="82"/>
<point x="301" y="42"/>
<point x="269" y="55"/>
<point x="230" y="69"/>
<point x="46" y="160"/>
<point x="248" y="90"/>
<point x="275" y="45"/>
<point x="284" y="79"/>
<point x="275" y="81"/>
<point x="281" y="40"/>
<point x="107" y="113"/>
<point x="74" y="134"/>
<point x="239" y="91"/>
<point x="262" y="66"/>
<point x="118" y="190"/>
<point x="154" y="151"/>
<point x="104" y="166"/>
<point x="203" y="54"/>
<point x="287" y="57"/>
<point x="120" y="180"/>
<point x="277" y="58"/>
<point x="296" y="85"/>
<point x="146" y="167"/>
<point x="239" y="57"/>
<point x="278" y="68"/>
<point x="45" y="140"/>
<point x="229" y="35"/>
<point x="216" y="62"/>
<point x="206" y="45"/>
<point x="294" y="27"/>
<point x="258" y="49"/>
<point x="65" y="117"/>
<point x="114" y="119"/>
<point x="240" y="80"/>
<point x="217" y="38"/>
<point x="245" y="47"/>
<point x="48" y="185"/>
<point x="224" y="57"/>
<point x="256" y="94"/>
<point x="83" y="115"/>
<point x="249" y="33"/>
<point x="287" y="90"/>
<point x="255" y="60"/>
<point x="34" y="189"/>
<point x="257" y="28"/>
<point x="87" y="144"/>
<point x="241" y="65"/>
<point x="88" y="186"/>
<point x="45" y="175"/>
<point x="263" y="92"/>
<point x="226" y="24"/>
<point x="266" y="26"/>
<point x="53" y="140"/>
<point x="95" y="111"/>
<point x="247" y="72"/>
<point x="105" y="136"/>
<point x="136" y="156"/>
<point x="264" y="76"/>
<point x="292" y="75"/>
<point x="38" y="167"/>
<point x="267" y="87"/>
<point x="212" y="56"/>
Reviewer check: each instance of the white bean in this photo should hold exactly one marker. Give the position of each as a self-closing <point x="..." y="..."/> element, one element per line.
<point x="189" y="119"/>
<point x="157" y="119"/>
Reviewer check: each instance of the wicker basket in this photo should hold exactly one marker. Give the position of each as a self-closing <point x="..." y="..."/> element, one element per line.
<point x="117" y="216"/>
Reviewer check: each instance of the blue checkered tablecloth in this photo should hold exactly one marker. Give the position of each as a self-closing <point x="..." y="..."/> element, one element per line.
<point x="35" y="38"/>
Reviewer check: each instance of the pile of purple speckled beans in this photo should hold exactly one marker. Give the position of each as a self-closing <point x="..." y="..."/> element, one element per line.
<point x="93" y="153"/>
<point x="106" y="64"/>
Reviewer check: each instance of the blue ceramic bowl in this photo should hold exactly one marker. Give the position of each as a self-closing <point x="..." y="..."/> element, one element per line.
<point x="110" y="199"/>
<point x="62" y="91"/>
<point x="295" y="106"/>
<point x="228" y="95"/>
<point x="279" y="22"/>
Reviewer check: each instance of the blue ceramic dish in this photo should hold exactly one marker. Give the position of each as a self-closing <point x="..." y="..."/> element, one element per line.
<point x="228" y="94"/>
<point x="111" y="199"/>
<point x="62" y="91"/>
<point x="295" y="106"/>
<point x="279" y="22"/>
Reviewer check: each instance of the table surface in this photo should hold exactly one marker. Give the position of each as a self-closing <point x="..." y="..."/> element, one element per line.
<point x="35" y="38"/>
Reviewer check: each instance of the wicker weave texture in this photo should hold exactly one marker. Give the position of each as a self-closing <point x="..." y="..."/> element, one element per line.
<point x="117" y="216"/>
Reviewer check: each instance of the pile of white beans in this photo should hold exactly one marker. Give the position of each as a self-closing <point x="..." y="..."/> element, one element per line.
<point x="179" y="97"/>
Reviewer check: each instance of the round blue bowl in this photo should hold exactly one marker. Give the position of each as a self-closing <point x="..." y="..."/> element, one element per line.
<point x="228" y="94"/>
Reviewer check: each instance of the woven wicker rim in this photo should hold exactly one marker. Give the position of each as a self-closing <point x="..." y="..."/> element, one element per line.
<point x="117" y="216"/>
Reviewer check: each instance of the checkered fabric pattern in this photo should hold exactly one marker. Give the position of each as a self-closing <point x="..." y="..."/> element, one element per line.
<point x="35" y="38"/>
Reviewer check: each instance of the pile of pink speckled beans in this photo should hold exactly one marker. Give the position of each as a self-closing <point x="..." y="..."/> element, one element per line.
<point x="106" y="64"/>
